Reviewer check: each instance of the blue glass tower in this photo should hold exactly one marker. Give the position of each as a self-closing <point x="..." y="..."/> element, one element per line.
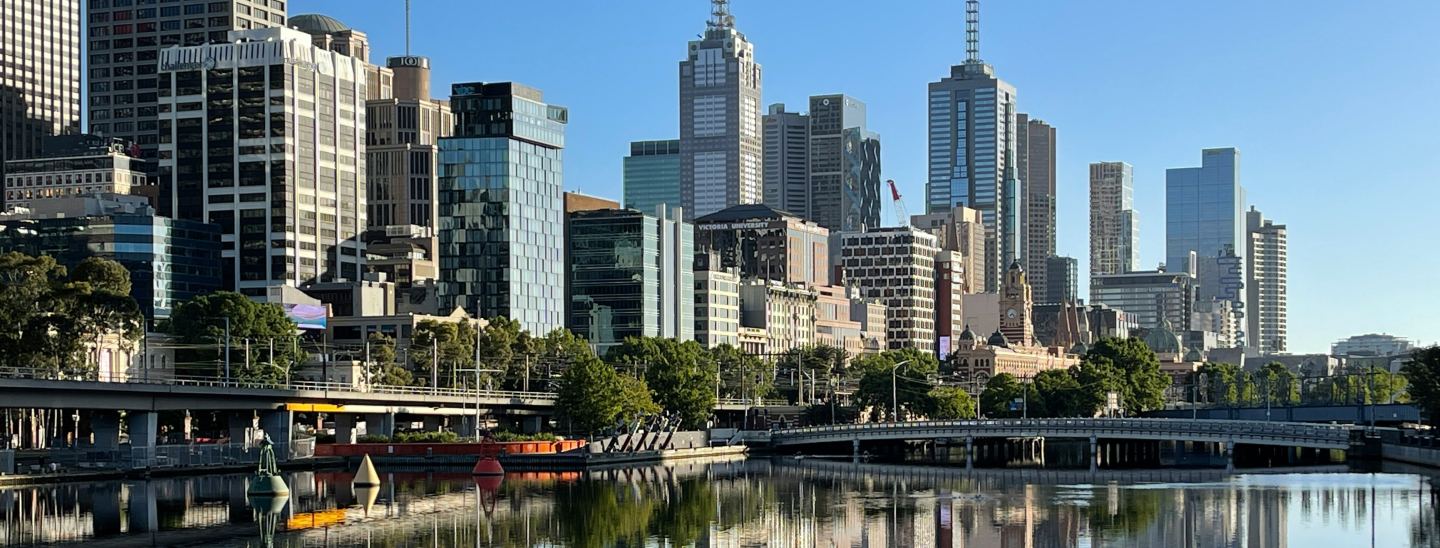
<point x="501" y="206"/>
<point x="1204" y="214"/>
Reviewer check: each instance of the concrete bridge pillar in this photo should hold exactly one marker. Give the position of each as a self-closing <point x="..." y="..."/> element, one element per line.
<point x="105" y="427"/>
<point x="143" y="430"/>
<point x="279" y="426"/>
<point x="855" y="448"/>
<point x="466" y="426"/>
<point x="969" y="452"/>
<point x="1229" y="448"/>
<point x="1094" y="453"/>
<point x="344" y="428"/>
<point x="380" y="424"/>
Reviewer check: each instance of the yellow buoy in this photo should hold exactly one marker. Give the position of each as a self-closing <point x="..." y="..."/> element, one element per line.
<point x="366" y="476"/>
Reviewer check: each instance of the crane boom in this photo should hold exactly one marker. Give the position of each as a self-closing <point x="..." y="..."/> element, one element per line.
<point x="902" y="215"/>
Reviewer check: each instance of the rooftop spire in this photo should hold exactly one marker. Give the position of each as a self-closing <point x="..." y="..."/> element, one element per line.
<point x="720" y="17"/>
<point x="407" y="28"/>
<point x="972" y="31"/>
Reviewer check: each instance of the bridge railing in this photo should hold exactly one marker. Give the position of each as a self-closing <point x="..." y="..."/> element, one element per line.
<point x="1204" y="426"/>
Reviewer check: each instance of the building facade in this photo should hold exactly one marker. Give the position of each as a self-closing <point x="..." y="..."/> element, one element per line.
<point x="1016" y="301"/>
<point x="501" y="228"/>
<point x="1372" y="344"/>
<point x="652" y="175"/>
<point x="717" y="302"/>
<point x="125" y="43"/>
<point x="1148" y="297"/>
<point x="264" y="137"/>
<point x="961" y="230"/>
<point x="767" y="244"/>
<point x="896" y="266"/>
<point x="787" y="160"/>
<point x="787" y="313"/>
<point x="74" y="165"/>
<point x="1204" y="214"/>
<point x="949" y="300"/>
<point x="1036" y="145"/>
<point x="628" y="276"/>
<point x="1064" y="284"/>
<point x="1266" y="263"/>
<point x="39" y="76"/>
<point x="721" y="145"/>
<point x="844" y="165"/>
<point x="1114" y="225"/>
<point x="402" y="136"/>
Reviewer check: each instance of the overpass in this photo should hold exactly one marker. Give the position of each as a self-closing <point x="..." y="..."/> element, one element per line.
<point x="1354" y="413"/>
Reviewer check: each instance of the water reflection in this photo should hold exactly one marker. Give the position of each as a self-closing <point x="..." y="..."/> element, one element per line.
<point x="745" y="503"/>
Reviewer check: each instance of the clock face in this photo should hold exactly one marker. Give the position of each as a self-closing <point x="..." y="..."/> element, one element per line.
<point x="1011" y="313"/>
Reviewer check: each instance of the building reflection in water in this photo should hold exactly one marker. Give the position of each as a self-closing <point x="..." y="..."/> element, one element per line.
<point x="745" y="503"/>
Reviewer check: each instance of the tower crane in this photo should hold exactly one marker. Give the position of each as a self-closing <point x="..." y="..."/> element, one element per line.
<point x="902" y="215"/>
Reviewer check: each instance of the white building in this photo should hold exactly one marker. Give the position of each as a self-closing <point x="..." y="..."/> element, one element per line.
<point x="896" y="265"/>
<point x="1372" y="344"/>
<point x="1266" y="265"/>
<point x="717" y="303"/>
<point x="73" y="165"/>
<point x="787" y="313"/>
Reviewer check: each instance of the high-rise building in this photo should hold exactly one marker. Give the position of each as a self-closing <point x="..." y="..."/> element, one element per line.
<point x="1036" y="146"/>
<point x="629" y="275"/>
<point x="896" y="265"/>
<point x="403" y="132"/>
<point x="1148" y="297"/>
<point x="949" y="300"/>
<point x="501" y="228"/>
<point x="1266" y="263"/>
<point x="721" y="148"/>
<point x="39" y="75"/>
<point x="717" y="302"/>
<point x="264" y="135"/>
<point x="844" y="165"/>
<point x="74" y="165"/>
<point x="1114" y="226"/>
<point x="125" y="43"/>
<point x="767" y="244"/>
<point x="787" y="160"/>
<point x="652" y="175"/>
<point x="959" y="229"/>
<point x="1064" y="283"/>
<point x="1204" y="214"/>
<point x="972" y="153"/>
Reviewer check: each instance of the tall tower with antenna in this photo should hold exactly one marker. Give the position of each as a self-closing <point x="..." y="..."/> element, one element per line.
<point x="972" y="31"/>
<point x="721" y="140"/>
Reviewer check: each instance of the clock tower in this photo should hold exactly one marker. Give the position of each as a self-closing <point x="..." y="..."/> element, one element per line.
<point x="1015" y="302"/>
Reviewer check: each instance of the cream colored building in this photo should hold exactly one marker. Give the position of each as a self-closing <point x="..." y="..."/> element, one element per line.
<point x="787" y="313"/>
<point x="896" y="266"/>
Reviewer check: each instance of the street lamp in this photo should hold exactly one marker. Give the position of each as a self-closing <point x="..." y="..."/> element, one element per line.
<point x="895" y="399"/>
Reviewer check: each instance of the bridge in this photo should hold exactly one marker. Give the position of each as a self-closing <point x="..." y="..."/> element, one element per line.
<point x="1226" y="432"/>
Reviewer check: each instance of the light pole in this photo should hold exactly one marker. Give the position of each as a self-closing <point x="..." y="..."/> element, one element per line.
<point x="894" y="398"/>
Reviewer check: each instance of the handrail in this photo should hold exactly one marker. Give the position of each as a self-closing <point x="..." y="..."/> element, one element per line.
<point x="1204" y="426"/>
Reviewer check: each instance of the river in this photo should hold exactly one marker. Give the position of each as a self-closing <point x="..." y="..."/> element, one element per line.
<point x="755" y="502"/>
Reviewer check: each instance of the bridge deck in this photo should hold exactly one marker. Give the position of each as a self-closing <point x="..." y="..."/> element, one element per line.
<point x="1319" y="436"/>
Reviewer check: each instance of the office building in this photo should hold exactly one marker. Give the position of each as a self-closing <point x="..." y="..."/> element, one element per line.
<point x="717" y="302"/>
<point x="961" y="230"/>
<point x="1266" y="264"/>
<point x="1148" y="297"/>
<point x="652" y="175"/>
<point x="125" y="43"/>
<point x="896" y="266"/>
<point x="263" y="135"/>
<point x="169" y="260"/>
<point x="1035" y="143"/>
<point x="629" y="275"/>
<point x="1114" y="225"/>
<point x="501" y="228"/>
<point x="721" y="147"/>
<point x="840" y="323"/>
<point x="333" y="35"/>
<point x="949" y="300"/>
<point x="787" y="313"/>
<point x="405" y="255"/>
<point x="787" y="160"/>
<point x="1204" y="215"/>
<point x="74" y="165"/>
<point x="1220" y="321"/>
<point x="1064" y="282"/>
<point x="767" y="244"/>
<point x="402" y="136"/>
<point x="844" y="165"/>
<point x="1372" y="344"/>
<point x="972" y="152"/>
<point x="39" y="76"/>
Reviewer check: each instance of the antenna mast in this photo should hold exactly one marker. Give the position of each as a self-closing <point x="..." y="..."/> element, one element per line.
<point x="972" y="31"/>
<point x="720" y="17"/>
<point x="407" y="28"/>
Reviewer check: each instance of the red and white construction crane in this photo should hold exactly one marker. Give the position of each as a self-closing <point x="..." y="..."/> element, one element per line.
<point x="902" y="215"/>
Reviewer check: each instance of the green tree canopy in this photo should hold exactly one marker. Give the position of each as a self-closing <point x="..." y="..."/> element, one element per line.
<point x="912" y="380"/>
<point x="201" y="323"/>
<point x="49" y="317"/>
<point x="741" y="375"/>
<point x="950" y="403"/>
<point x="384" y="369"/>
<point x="1127" y="366"/>
<point x="1422" y="373"/>
<point x="1003" y="389"/>
<point x="593" y="396"/>
<point x="681" y="375"/>
<point x="1060" y="395"/>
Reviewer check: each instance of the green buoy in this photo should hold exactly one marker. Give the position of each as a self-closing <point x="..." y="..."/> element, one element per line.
<point x="267" y="480"/>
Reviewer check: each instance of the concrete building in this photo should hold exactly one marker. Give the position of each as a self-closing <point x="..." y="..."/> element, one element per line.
<point x="766" y="243"/>
<point x="787" y="313"/>
<point x="721" y="145"/>
<point x="1114" y="225"/>
<point x="1035" y="144"/>
<point x="1064" y="280"/>
<point x="844" y="165"/>
<point x="982" y="312"/>
<point x="717" y="302"/>
<point x="1204" y="214"/>
<point x="652" y="175"/>
<point x="169" y="260"/>
<point x="402" y="136"/>
<point x="1372" y="344"/>
<point x="976" y="360"/>
<point x="871" y="314"/>
<point x="1266" y="264"/>
<point x="74" y="165"/>
<point x="1149" y="296"/>
<point x="501" y="229"/>
<point x="959" y="229"/>
<point x="289" y="198"/>
<point x="405" y="255"/>
<point x="896" y="265"/>
<point x="125" y="87"/>
<point x="839" y="323"/>
<point x="628" y="275"/>
<point x="949" y="300"/>
<point x="972" y="155"/>
<point x="754" y="341"/>
<point x="787" y="160"/>
<point x="1219" y="318"/>
<point x="39" y="76"/>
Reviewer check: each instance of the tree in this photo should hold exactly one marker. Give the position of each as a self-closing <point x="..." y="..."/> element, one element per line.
<point x="455" y="344"/>
<point x="741" y="375"/>
<point x="50" y="318"/>
<point x="1003" y="389"/>
<point x="635" y="400"/>
<point x="1422" y="374"/>
<point x="817" y="364"/>
<point x="384" y="369"/>
<point x="681" y="375"/>
<point x="1132" y="369"/>
<point x="1281" y="385"/>
<point x="590" y="395"/>
<point x="102" y="275"/>
<point x="911" y="381"/>
<point x="1221" y="383"/>
<point x="950" y="403"/>
<point x="1059" y="395"/>
<point x="200" y="322"/>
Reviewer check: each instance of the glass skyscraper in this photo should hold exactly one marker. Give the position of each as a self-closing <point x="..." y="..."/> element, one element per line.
<point x="501" y="209"/>
<point x="652" y="175"/>
<point x="631" y="275"/>
<point x="1204" y="214"/>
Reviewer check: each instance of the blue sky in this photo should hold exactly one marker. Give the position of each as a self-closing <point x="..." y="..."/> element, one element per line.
<point x="1333" y="106"/>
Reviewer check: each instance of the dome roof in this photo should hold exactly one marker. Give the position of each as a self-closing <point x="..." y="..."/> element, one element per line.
<point x="315" y="23"/>
<point x="1194" y="355"/>
<point x="967" y="334"/>
<point x="1163" y="340"/>
<point x="998" y="339"/>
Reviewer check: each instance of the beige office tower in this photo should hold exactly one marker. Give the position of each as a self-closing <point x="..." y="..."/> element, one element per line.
<point x="39" y="75"/>
<point x="960" y="229"/>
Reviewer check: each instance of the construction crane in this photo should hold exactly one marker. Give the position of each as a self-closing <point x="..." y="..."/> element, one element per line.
<point x="902" y="215"/>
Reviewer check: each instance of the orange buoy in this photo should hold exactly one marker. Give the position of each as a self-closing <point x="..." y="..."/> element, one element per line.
<point x="488" y="466"/>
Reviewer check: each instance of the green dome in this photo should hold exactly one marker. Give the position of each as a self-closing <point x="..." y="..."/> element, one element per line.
<point x="1163" y="340"/>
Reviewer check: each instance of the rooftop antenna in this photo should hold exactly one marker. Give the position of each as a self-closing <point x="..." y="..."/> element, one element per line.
<point x="407" y="28"/>
<point x="972" y="31"/>
<point x="720" y="17"/>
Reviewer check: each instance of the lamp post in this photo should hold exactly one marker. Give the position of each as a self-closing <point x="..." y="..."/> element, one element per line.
<point x="894" y="397"/>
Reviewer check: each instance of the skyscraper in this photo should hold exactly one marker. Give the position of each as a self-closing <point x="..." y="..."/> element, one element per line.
<point x="1036" y="144"/>
<point x="40" y="75"/>
<point x="1266" y="263"/>
<point x="1114" y="226"/>
<point x="1064" y="283"/>
<point x="1204" y="214"/>
<point x="124" y="46"/>
<point x="652" y="175"/>
<point x="844" y="165"/>
<point x="403" y="134"/>
<point x="501" y="227"/>
<point x="973" y="151"/>
<point x="721" y="148"/>
<point x="787" y="160"/>
<point x="263" y="134"/>
<point x="896" y="266"/>
<point x="630" y="275"/>
<point x="1150" y="297"/>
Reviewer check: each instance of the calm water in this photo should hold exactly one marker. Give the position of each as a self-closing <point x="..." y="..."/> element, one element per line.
<point x="746" y="503"/>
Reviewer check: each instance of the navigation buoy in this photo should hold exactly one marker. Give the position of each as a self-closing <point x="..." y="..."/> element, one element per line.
<point x="488" y="466"/>
<point x="267" y="481"/>
<point x="365" y="476"/>
<point x="366" y="496"/>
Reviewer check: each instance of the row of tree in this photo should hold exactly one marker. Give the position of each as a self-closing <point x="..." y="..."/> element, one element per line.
<point x="54" y="316"/>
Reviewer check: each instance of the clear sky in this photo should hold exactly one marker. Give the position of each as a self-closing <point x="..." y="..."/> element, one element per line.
<point x="1332" y="104"/>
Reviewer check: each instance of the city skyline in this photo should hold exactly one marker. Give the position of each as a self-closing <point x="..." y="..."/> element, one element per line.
<point x="1164" y="120"/>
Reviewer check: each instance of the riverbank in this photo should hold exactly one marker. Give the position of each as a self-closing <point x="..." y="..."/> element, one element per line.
<point x="137" y="473"/>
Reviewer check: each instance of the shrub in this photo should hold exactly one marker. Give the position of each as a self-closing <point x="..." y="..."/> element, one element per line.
<point x="373" y="438"/>
<point x="426" y="437"/>
<point x="503" y="436"/>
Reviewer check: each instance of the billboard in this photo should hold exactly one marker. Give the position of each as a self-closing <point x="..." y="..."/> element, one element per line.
<point x="308" y="316"/>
